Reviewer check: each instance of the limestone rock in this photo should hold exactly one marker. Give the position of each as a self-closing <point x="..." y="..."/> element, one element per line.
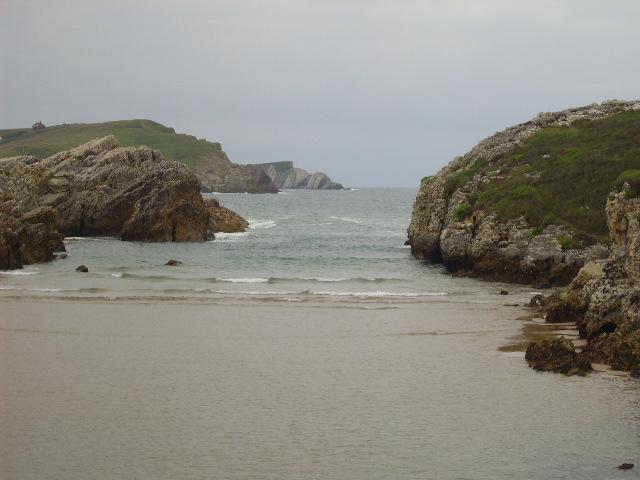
<point x="445" y="229"/>
<point x="222" y="219"/>
<point x="284" y="175"/>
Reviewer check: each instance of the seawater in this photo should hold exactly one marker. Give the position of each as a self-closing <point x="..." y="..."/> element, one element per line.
<point x="301" y="246"/>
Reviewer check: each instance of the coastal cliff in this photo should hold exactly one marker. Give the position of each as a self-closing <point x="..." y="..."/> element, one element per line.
<point x="604" y="298"/>
<point x="98" y="189"/>
<point x="284" y="175"/>
<point x="206" y="159"/>
<point x="527" y="204"/>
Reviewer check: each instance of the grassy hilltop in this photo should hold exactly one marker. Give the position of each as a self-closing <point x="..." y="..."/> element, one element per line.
<point x="42" y="143"/>
<point x="561" y="175"/>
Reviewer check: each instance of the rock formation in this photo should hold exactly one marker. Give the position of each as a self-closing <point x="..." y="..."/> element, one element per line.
<point x="28" y="233"/>
<point x="284" y="175"/>
<point x="218" y="174"/>
<point x="222" y="219"/>
<point x="99" y="189"/>
<point x="450" y="227"/>
<point x="604" y="298"/>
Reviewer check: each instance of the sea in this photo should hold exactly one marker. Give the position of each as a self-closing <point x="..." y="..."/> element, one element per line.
<point x="311" y="346"/>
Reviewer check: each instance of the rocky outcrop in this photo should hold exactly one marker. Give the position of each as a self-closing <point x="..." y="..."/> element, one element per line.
<point x="134" y="193"/>
<point x="557" y="355"/>
<point x="99" y="189"/>
<point x="284" y="175"/>
<point x="604" y="298"/>
<point x="218" y="174"/>
<point x="222" y="219"/>
<point x="447" y="226"/>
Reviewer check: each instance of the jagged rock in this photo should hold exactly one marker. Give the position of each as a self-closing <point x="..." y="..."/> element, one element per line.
<point x="446" y="228"/>
<point x="604" y="298"/>
<point x="285" y="175"/>
<point x="557" y="355"/>
<point x="82" y="269"/>
<point x="222" y="219"/>
<point x="28" y="231"/>
<point x="97" y="188"/>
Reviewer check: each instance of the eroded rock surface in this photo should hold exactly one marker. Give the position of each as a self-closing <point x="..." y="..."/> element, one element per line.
<point x="604" y="298"/>
<point x="223" y="219"/>
<point x="99" y="189"/>
<point x="444" y="228"/>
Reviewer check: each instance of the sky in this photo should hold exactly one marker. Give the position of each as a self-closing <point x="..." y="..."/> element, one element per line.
<point x="374" y="93"/>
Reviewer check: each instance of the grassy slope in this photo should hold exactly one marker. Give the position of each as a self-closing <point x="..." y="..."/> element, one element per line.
<point x="562" y="175"/>
<point x="42" y="143"/>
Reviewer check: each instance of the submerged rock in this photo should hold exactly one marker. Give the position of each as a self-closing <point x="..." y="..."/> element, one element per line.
<point x="173" y="263"/>
<point x="557" y="355"/>
<point x="82" y="268"/>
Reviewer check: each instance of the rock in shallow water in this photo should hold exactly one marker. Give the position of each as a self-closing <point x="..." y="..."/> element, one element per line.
<point x="557" y="355"/>
<point x="82" y="269"/>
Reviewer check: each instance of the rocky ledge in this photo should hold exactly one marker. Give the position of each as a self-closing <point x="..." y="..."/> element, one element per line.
<point x="285" y="175"/>
<point x="97" y="189"/>
<point x="604" y="298"/>
<point x="476" y="215"/>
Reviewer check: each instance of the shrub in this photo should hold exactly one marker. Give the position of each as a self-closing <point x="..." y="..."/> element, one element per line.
<point x="567" y="243"/>
<point x="462" y="211"/>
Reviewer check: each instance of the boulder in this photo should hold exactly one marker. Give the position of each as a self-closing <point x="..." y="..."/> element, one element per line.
<point x="82" y="269"/>
<point x="222" y="219"/>
<point x="557" y="355"/>
<point x="173" y="263"/>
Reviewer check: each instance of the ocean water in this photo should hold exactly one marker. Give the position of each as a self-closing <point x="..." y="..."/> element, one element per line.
<point x="311" y="347"/>
<point x="311" y="246"/>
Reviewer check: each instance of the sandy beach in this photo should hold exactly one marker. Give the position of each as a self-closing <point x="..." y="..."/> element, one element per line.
<point x="135" y="390"/>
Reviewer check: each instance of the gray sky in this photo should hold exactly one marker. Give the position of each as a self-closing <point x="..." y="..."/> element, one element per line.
<point x="375" y="93"/>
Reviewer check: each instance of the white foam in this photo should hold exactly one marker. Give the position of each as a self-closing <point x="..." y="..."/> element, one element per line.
<point x="20" y="272"/>
<point x="349" y="220"/>
<point x="8" y="287"/>
<point x="381" y="294"/>
<point x="261" y="224"/>
<point x="116" y="275"/>
<point x="230" y="236"/>
<point x="244" y="280"/>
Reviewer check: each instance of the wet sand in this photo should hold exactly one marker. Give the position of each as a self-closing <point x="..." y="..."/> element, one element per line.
<point x="132" y="390"/>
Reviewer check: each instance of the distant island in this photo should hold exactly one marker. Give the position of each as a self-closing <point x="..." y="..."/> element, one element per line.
<point x="204" y="158"/>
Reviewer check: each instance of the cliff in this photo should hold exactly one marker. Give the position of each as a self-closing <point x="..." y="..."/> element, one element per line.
<point x="98" y="188"/>
<point x="527" y="204"/>
<point x="206" y="159"/>
<point x="284" y="175"/>
<point x="604" y="298"/>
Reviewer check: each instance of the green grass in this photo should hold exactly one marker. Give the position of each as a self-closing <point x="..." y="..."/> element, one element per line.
<point x="562" y="175"/>
<point x="42" y="143"/>
<point x="462" y="211"/>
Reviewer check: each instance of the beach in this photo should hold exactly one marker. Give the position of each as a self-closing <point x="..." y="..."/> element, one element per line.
<point x="252" y="390"/>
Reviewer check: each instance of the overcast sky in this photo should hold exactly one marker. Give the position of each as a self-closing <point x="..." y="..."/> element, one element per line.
<point x="375" y="93"/>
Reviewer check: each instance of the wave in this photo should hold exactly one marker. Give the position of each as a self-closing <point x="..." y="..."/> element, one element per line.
<point x="20" y="272"/>
<point x="261" y="224"/>
<point x="381" y="294"/>
<point x="243" y="280"/>
<point x="349" y="220"/>
<point x="229" y="236"/>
